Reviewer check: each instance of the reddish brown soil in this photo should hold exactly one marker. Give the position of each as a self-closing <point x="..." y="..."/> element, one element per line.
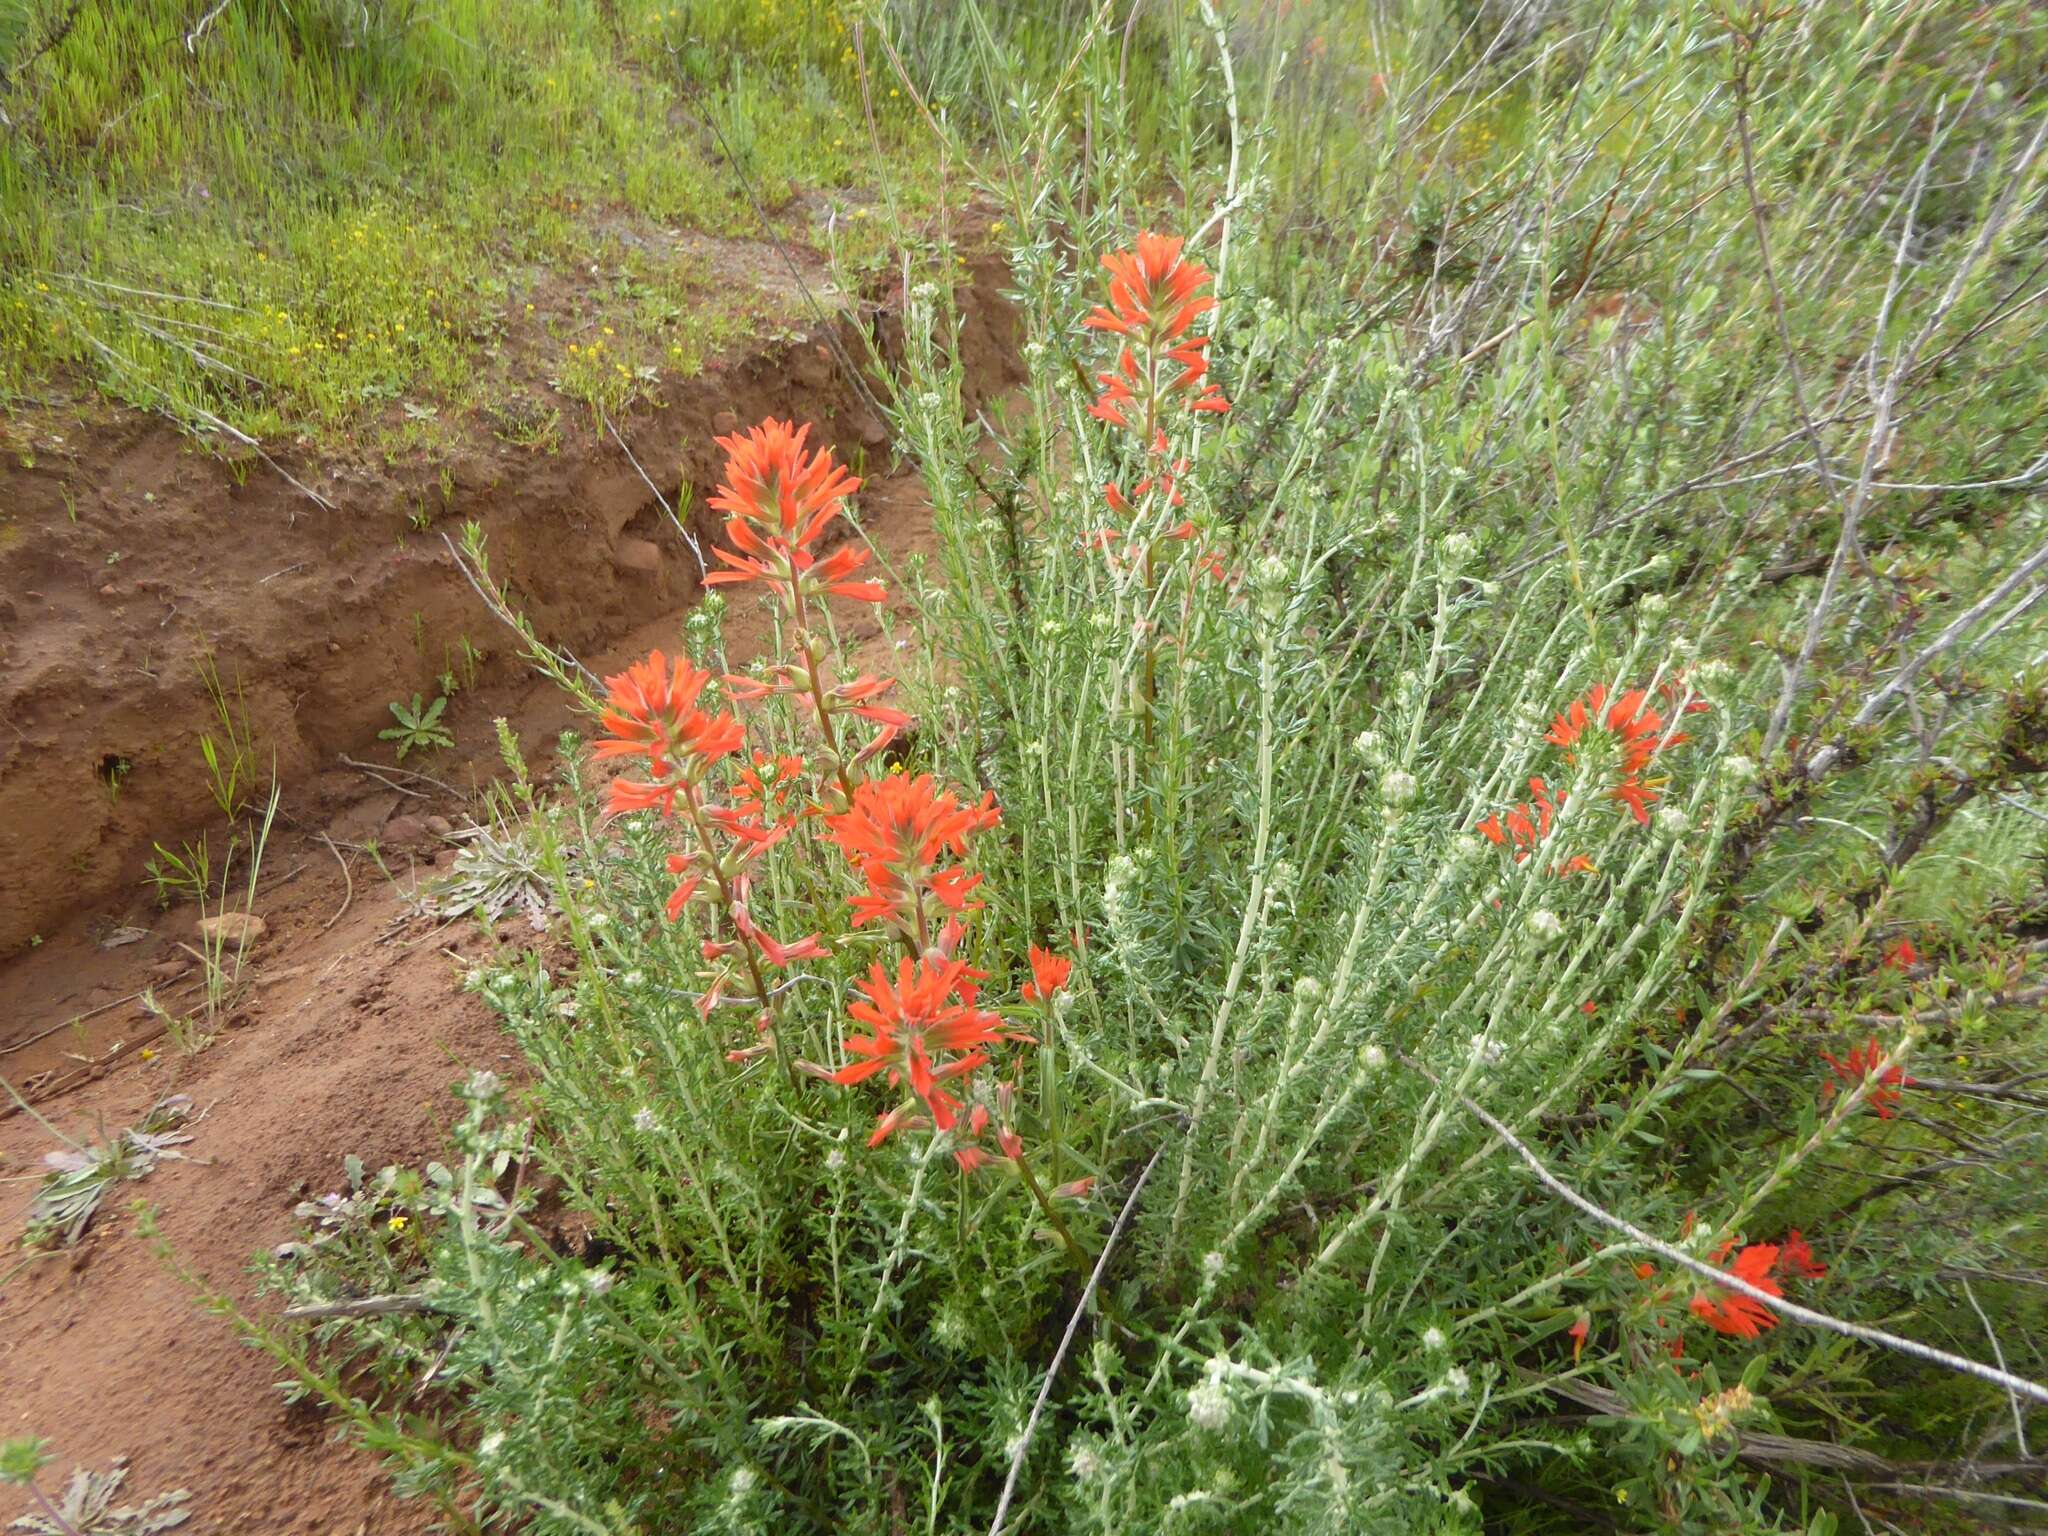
<point x="352" y="1028"/>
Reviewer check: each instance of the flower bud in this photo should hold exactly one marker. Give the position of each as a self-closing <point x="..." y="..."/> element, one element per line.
<point x="1544" y="924"/>
<point x="1208" y="1405"/>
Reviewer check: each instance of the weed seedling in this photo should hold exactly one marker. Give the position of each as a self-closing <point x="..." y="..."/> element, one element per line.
<point x="80" y="1177"/>
<point x="87" y="1507"/>
<point x="419" y="726"/>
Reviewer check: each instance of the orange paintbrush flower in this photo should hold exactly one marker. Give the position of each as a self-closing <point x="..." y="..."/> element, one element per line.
<point x="1153" y="291"/>
<point x="779" y="498"/>
<point x="1049" y="973"/>
<point x="1795" y="1257"/>
<point x="896" y="831"/>
<point x="1861" y="1064"/>
<point x="1637" y="732"/>
<point x="1523" y="826"/>
<point x="921" y="1034"/>
<point x="1732" y="1313"/>
<point x="1155" y="297"/>
<point x="651" y="712"/>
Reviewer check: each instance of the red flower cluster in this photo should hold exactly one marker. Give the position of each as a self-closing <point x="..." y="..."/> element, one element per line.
<point x="1855" y="1068"/>
<point x="924" y="1032"/>
<point x="1523" y="826"/>
<point x="1762" y="1265"/>
<point x="1742" y="1317"/>
<point x="1049" y="973"/>
<point x="779" y="499"/>
<point x="898" y="833"/>
<point x="907" y="837"/>
<point x="1160" y="377"/>
<point x="1637" y="731"/>
<point x="651" y="713"/>
<point x="1637" y="734"/>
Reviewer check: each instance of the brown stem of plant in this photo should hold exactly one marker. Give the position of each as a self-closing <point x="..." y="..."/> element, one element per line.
<point x="762" y="993"/>
<point x="809" y="647"/>
<point x="52" y="1513"/>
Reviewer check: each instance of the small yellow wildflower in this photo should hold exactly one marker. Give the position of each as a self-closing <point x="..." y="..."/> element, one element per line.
<point x="398" y="1223"/>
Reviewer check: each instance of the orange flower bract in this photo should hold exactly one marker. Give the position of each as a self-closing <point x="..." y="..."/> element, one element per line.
<point x="921" y="1034"/>
<point x="1637" y="731"/>
<point x="1860" y="1064"/>
<point x="651" y="712"/>
<point x="1049" y="973"/>
<point x="779" y="498"/>
<point x="1737" y="1315"/>
<point x="895" y="832"/>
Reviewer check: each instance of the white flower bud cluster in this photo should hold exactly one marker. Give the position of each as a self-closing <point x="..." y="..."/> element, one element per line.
<point x="1273" y="578"/>
<point x="1116" y="888"/>
<point x="1208" y="1400"/>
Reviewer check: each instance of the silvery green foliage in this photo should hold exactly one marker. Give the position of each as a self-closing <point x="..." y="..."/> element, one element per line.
<point x="496" y="871"/>
<point x="86" y="1507"/>
<point x="81" y="1178"/>
<point x="1268" y="802"/>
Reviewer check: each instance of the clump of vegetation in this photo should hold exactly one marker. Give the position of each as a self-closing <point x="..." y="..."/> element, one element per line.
<point x="81" y="1177"/>
<point x="367" y="197"/>
<point x="1439" y="926"/>
<point x="87" y="1507"/>
<point x="497" y="870"/>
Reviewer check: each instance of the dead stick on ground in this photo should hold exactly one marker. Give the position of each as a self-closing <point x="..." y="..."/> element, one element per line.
<point x="349" y="895"/>
<point x="1778" y="1304"/>
<point x="22" y="1045"/>
<point x="1066" y="1343"/>
<point x="377" y="772"/>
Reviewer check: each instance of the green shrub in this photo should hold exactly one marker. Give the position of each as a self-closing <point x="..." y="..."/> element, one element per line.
<point x="1499" y="729"/>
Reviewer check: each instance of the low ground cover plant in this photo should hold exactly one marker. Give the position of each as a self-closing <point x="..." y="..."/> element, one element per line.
<point x="1438" y="928"/>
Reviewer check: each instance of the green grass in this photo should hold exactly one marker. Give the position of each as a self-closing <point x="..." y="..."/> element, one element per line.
<point x="319" y="213"/>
